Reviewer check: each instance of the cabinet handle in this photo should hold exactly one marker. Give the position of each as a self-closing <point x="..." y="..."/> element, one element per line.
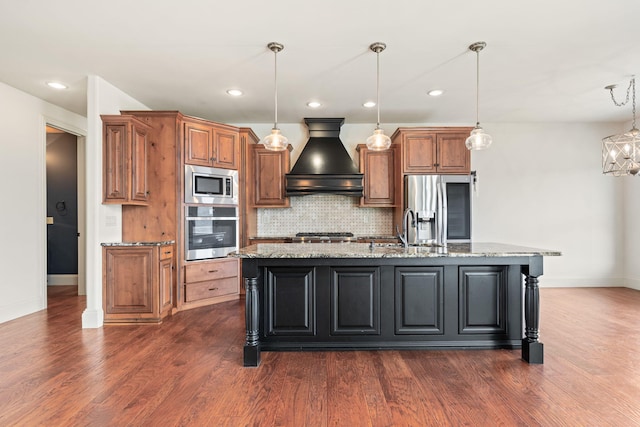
<point x="213" y="271"/>
<point x="213" y="289"/>
<point x="167" y="252"/>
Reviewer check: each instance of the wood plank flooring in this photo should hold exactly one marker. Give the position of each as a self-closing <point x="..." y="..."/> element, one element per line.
<point x="188" y="372"/>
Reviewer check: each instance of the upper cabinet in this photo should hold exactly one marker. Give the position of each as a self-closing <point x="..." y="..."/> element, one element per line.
<point x="378" y="168"/>
<point x="433" y="150"/>
<point x="209" y="144"/>
<point x="124" y="160"/>
<point x="265" y="177"/>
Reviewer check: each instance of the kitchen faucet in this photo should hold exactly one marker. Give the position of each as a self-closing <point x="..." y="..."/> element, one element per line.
<point x="404" y="236"/>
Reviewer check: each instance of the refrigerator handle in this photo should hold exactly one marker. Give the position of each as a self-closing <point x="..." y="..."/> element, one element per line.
<point x="442" y="213"/>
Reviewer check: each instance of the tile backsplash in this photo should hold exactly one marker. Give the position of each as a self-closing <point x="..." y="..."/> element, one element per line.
<point x="325" y="212"/>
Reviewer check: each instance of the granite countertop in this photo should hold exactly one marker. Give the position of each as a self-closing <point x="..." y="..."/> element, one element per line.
<point x="162" y="243"/>
<point x="385" y="250"/>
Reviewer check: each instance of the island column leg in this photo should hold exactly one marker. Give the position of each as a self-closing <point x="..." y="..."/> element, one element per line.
<point x="532" y="348"/>
<point x="252" y="319"/>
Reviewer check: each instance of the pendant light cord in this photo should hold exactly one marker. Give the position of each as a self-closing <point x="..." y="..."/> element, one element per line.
<point x="632" y="87"/>
<point x="275" y="84"/>
<point x="378" y="86"/>
<point x="477" y="88"/>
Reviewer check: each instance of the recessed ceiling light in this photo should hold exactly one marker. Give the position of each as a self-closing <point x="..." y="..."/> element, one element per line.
<point x="435" y="92"/>
<point x="369" y="104"/>
<point x="235" y="92"/>
<point x="56" y="85"/>
<point x="313" y="104"/>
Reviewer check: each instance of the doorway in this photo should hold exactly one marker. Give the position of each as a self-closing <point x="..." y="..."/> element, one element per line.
<point x="65" y="212"/>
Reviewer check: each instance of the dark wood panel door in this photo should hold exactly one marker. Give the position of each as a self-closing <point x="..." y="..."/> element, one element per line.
<point x="482" y="300"/>
<point x="378" y="168"/>
<point x="269" y="168"/>
<point x="419" y="300"/>
<point x="291" y="296"/>
<point x="355" y="301"/>
<point x="115" y="162"/>
<point x="198" y="144"/>
<point x="166" y="285"/>
<point x="128" y="283"/>
<point x="139" y="156"/>
<point x="419" y="153"/>
<point x="453" y="156"/>
<point x="226" y="151"/>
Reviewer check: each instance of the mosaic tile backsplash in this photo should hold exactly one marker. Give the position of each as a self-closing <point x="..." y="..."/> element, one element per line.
<point x="324" y="212"/>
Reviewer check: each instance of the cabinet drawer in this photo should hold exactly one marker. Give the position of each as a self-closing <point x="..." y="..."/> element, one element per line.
<point x="210" y="270"/>
<point x="210" y="289"/>
<point x="166" y="252"/>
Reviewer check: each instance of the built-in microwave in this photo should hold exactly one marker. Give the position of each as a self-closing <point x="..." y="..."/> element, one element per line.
<point x="210" y="231"/>
<point x="213" y="186"/>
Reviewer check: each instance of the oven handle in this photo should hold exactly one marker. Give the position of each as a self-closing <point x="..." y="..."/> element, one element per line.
<point x="210" y="218"/>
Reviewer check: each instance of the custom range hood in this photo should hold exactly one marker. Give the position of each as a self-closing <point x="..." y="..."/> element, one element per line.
<point x="324" y="166"/>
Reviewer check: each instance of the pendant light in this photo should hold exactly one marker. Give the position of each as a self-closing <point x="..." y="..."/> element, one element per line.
<point x="275" y="141"/>
<point x="378" y="141"/>
<point x="621" y="153"/>
<point x="479" y="139"/>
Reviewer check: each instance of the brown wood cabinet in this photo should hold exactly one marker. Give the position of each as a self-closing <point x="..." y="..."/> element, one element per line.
<point x="265" y="177"/>
<point x="137" y="283"/>
<point x="124" y="159"/>
<point x="210" y="281"/>
<point x="211" y="144"/>
<point x="433" y="150"/>
<point x="378" y="168"/>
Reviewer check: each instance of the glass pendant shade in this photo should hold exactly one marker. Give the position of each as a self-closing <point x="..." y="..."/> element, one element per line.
<point x="378" y="141"/>
<point x="275" y="141"/>
<point x="478" y="140"/>
<point x="621" y="154"/>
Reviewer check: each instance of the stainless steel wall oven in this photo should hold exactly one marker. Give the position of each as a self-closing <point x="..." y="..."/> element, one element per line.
<point x="210" y="231"/>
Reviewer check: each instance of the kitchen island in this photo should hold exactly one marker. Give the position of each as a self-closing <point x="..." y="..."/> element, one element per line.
<point x="349" y="296"/>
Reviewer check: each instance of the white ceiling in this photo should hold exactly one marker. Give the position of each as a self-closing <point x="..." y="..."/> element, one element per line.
<point x="544" y="61"/>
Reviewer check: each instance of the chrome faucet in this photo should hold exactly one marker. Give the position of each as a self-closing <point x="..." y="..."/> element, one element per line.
<point x="404" y="235"/>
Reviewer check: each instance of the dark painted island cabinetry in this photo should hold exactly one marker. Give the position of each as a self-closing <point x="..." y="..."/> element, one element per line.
<point x="357" y="296"/>
<point x="463" y="305"/>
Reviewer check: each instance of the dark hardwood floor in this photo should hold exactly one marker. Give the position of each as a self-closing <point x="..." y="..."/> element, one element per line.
<point x="188" y="371"/>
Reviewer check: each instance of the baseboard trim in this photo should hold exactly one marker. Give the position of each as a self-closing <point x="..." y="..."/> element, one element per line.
<point x="62" y="280"/>
<point x="92" y="319"/>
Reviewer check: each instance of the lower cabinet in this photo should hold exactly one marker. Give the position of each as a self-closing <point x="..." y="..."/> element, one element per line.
<point x="137" y="283"/>
<point x="411" y="305"/>
<point x="211" y="281"/>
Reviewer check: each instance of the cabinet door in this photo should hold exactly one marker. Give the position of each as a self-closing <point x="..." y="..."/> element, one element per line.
<point x="419" y="301"/>
<point x="198" y="144"/>
<point x="128" y="292"/>
<point x="355" y="301"/>
<point x="378" y="169"/>
<point x="290" y="297"/>
<point x="453" y="156"/>
<point x="139" y="155"/>
<point x="226" y="151"/>
<point x="166" y="285"/>
<point x="269" y="168"/>
<point x="115" y="163"/>
<point x="419" y="153"/>
<point x="482" y="300"/>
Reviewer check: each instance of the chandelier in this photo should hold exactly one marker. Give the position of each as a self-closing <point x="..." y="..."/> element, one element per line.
<point x="621" y="153"/>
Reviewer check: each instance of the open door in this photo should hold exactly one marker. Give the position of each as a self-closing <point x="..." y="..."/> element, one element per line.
<point x="65" y="210"/>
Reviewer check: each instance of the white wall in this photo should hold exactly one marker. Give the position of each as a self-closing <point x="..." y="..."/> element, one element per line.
<point x="104" y="222"/>
<point x="23" y="188"/>
<point x="540" y="185"/>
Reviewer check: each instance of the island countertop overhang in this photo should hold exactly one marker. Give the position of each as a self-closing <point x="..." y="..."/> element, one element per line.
<point x="365" y="250"/>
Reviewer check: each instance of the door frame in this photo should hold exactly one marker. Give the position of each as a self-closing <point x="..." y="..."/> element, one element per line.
<point x="81" y="190"/>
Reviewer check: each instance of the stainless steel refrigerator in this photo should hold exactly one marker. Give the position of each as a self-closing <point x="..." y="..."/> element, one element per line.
<point x="441" y="205"/>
